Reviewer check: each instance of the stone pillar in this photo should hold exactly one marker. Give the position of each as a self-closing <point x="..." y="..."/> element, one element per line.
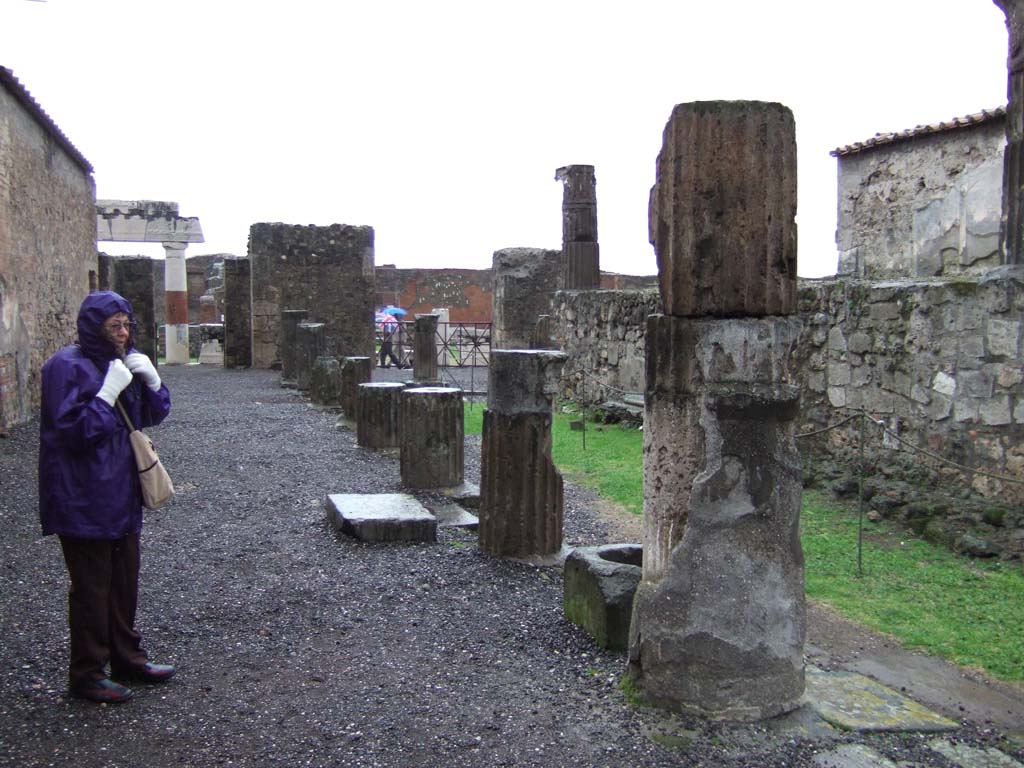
<point x="424" y="363"/>
<point x="176" y="309"/>
<point x="237" y="314"/>
<point x="525" y="280"/>
<point x="719" y="617"/>
<point x="581" y="254"/>
<point x="1011" y="234"/>
<point x="309" y="345"/>
<point x="378" y="420"/>
<point x="290" y="320"/>
<point x="325" y="382"/>
<point x="520" y="488"/>
<point x="354" y="371"/>
<point x="431" y="442"/>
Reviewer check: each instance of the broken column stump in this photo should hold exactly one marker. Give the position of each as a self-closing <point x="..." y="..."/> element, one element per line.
<point x="325" y="382"/>
<point x="354" y="371"/>
<point x="424" y="361"/>
<point x="520" y="489"/>
<point x="431" y="442"/>
<point x="581" y="269"/>
<point x="378" y="420"/>
<point x="598" y="586"/>
<point x="310" y="342"/>
<point x="719" y="619"/>
<point x="290" y="319"/>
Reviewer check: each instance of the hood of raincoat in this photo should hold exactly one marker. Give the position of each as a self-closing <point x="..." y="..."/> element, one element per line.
<point x="96" y="308"/>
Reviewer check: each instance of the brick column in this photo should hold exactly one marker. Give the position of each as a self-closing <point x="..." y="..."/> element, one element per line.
<point x="176" y="307"/>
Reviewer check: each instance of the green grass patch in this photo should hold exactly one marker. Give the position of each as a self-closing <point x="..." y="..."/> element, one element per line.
<point x="968" y="611"/>
<point x="611" y="463"/>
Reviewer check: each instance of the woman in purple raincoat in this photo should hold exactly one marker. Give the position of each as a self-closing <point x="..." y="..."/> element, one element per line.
<point x="89" y="492"/>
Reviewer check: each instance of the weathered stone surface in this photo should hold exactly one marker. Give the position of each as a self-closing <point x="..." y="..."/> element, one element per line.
<point x="581" y="253"/>
<point x="237" y="314"/>
<point x="326" y="270"/>
<point x="289" y="346"/>
<point x="722" y="210"/>
<point x="424" y="364"/>
<point x="211" y="353"/>
<point x="354" y="372"/>
<point x="377" y="424"/>
<point x="598" y="588"/>
<point x="325" y="382"/>
<point x="523" y="380"/>
<point x="520" y="488"/>
<point x="719" y="618"/>
<point x="309" y="345"/>
<point x="381" y="517"/>
<point x="431" y="441"/>
<point x="525" y="280"/>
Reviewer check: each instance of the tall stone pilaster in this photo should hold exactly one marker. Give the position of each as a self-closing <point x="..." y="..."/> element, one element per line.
<point x="424" y="362"/>
<point x="525" y="280"/>
<point x="719" y="617"/>
<point x="521" y="498"/>
<point x="581" y="268"/>
<point x="237" y="314"/>
<point x="309" y="345"/>
<point x="1012" y="230"/>
<point x="288" y="346"/>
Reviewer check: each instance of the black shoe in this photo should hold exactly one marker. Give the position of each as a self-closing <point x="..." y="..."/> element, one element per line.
<point x="147" y="673"/>
<point x="104" y="691"/>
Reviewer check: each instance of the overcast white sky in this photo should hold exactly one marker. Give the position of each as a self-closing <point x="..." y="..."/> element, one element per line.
<point x="441" y="124"/>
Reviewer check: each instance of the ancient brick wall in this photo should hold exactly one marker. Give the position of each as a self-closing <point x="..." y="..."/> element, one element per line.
<point x="466" y="293"/>
<point x="923" y="207"/>
<point x="47" y="247"/>
<point x="602" y="332"/>
<point x="327" y="271"/>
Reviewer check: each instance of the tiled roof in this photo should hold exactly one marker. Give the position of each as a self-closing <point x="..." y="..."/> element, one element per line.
<point x="19" y="92"/>
<point x="881" y="139"/>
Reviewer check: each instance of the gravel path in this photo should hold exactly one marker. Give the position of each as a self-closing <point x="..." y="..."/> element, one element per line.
<point x="296" y="646"/>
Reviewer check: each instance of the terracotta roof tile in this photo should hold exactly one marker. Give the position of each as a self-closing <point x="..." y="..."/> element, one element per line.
<point x="881" y="139"/>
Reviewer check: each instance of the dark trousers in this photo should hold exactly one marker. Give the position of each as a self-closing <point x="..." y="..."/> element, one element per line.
<point x="102" y="601"/>
<point x="386" y="352"/>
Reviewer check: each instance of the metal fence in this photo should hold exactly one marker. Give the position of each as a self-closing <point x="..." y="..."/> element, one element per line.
<point x="459" y="345"/>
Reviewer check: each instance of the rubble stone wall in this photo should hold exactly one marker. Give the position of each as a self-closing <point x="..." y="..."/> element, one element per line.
<point x="47" y="252"/>
<point x="327" y="271"/>
<point x="924" y="207"/>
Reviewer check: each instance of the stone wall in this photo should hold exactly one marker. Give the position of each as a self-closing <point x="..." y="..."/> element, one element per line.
<point x="237" y="314"/>
<point x="938" y="361"/>
<point x="925" y="206"/>
<point x="602" y="332"/>
<point x="466" y="293"/>
<point x="47" y="245"/>
<point x="327" y="271"/>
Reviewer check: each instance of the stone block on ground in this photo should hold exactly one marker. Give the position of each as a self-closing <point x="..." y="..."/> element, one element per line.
<point x="465" y="494"/>
<point x="381" y="517"/>
<point x="211" y="353"/>
<point x="858" y="703"/>
<point x="599" y="584"/>
<point x="451" y="515"/>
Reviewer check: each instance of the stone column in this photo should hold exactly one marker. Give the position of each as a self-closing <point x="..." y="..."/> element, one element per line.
<point x="525" y="279"/>
<point x="325" y="381"/>
<point x="719" y="617"/>
<point x="377" y="425"/>
<point x="520" y="488"/>
<point x="424" y="363"/>
<point x="237" y="314"/>
<point x="290" y="319"/>
<point x="431" y="443"/>
<point x="1012" y="230"/>
<point x="309" y="345"/>
<point x="176" y="307"/>
<point x="354" y="371"/>
<point x="581" y="254"/>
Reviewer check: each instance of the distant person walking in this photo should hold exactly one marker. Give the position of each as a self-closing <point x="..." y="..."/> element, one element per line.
<point x="388" y="326"/>
<point x="89" y="493"/>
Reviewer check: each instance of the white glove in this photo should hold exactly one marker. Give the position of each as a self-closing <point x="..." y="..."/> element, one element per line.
<point x="141" y="366"/>
<point x="118" y="377"/>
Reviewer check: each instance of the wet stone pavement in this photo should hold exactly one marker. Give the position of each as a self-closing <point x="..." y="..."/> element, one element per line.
<point x="299" y="646"/>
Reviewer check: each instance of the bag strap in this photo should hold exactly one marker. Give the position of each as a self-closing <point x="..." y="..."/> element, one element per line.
<point x="124" y="413"/>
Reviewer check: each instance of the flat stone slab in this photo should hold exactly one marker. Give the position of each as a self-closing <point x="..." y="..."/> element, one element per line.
<point x="973" y="757"/>
<point x="381" y="517"/>
<point x="451" y="515"/>
<point x="857" y="703"/>
<point x="467" y="494"/>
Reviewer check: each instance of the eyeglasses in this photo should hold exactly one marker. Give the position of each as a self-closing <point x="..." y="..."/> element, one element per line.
<point x="120" y="326"/>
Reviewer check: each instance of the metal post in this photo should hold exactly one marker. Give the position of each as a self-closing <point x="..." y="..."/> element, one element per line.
<point x="860" y="501"/>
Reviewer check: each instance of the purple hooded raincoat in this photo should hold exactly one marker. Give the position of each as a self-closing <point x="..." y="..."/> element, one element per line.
<point x="88" y="482"/>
